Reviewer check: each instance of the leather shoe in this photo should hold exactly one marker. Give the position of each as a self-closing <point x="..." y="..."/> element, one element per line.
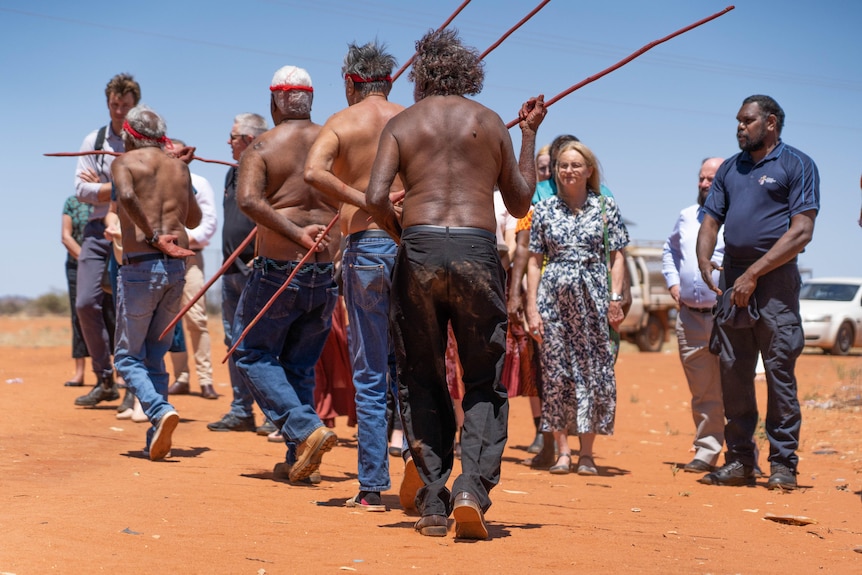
<point x="432" y="526"/>
<point x="208" y="391"/>
<point x="781" y="477"/>
<point x="105" y="390"/>
<point x="310" y="452"/>
<point x="469" y="519"/>
<point x="732" y="474"/>
<point x="697" y="466"/>
<point x="179" y="388"/>
<point x="71" y="383"/>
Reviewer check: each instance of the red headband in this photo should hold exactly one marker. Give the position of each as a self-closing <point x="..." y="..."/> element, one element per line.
<point x="139" y="136"/>
<point x="360" y="80"/>
<point x="289" y="87"/>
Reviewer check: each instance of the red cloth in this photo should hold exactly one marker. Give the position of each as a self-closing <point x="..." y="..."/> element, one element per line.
<point x="334" y="394"/>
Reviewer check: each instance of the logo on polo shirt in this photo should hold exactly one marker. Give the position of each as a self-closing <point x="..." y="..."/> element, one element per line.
<point x="764" y="179"/>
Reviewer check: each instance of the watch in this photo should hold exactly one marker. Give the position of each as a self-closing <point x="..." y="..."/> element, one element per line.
<point x="153" y="240"/>
<point x="616" y="297"/>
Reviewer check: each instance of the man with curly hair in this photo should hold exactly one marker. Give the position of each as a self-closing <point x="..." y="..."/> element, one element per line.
<point x="450" y="152"/>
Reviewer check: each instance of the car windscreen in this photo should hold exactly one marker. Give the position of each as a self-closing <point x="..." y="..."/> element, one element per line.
<point x="830" y="292"/>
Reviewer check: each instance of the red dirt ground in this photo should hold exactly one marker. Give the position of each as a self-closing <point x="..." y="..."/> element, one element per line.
<point x="77" y="496"/>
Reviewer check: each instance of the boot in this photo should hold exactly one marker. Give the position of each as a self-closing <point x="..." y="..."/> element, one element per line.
<point x="124" y="411"/>
<point x="105" y="390"/>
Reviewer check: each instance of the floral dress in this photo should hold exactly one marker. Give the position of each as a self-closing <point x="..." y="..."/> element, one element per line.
<point x="577" y="363"/>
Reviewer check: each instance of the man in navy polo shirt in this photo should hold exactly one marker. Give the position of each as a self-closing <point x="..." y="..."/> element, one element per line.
<point x="767" y="197"/>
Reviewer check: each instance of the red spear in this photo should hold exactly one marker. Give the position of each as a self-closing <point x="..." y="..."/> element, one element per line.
<point x="628" y="59"/>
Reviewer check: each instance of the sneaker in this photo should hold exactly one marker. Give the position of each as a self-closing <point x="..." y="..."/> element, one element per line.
<point x="732" y="474"/>
<point x="781" y="477"/>
<point x="310" y="452"/>
<point x="275" y="437"/>
<point x="366" y="501"/>
<point x="231" y="422"/>
<point x="282" y="471"/>
<point x="267" y="428"/>
<point x="160" y="445"/>
<point x="105" y="390"/>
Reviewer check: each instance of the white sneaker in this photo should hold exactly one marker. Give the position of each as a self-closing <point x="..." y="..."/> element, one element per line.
<point x="138" y="415"/>
<point x="160" y="446"/>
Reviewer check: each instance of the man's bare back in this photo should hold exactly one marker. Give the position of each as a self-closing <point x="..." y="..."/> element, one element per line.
<point x="271" y="191"/>
<point x="341" y="159"/>
<point x="155" y="194"/>
<point x="450" y="152"/>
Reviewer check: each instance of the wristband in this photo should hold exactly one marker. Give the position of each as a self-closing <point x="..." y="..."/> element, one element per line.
<point x="153" y="240"/>
<point x="616" y="297"/>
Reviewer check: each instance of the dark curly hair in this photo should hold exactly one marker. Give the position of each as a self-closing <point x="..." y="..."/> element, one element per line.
<point x="445" y="67"/>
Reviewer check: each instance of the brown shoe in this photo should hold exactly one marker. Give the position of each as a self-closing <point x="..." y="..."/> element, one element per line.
<point x="410" y="484"/>
<point x="179" y="388"/>
<point x="207" y="392"/>
<point x="310" y="452"/>
<point x="432" y="526"/>
<point x="469" y="519"/>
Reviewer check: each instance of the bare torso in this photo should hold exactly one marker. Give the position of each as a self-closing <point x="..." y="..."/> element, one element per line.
<point x="452" y="152"/>
<point x="273" y="193"/>
<point x="162" y="187"/>
<point x="347" y="147"/>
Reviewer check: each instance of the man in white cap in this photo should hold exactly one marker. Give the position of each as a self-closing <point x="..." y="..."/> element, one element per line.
<point x="276" y="358"/>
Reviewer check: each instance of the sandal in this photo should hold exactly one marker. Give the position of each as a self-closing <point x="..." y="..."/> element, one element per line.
<point x="560" y="468"/>
<point x="586" y="465"/>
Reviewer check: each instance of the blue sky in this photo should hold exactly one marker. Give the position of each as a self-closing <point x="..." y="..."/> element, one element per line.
<point x="650" y="122"/>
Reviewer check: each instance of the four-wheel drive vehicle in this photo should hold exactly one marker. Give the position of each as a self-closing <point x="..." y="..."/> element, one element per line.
<point x="831" y="310"/>
<point x="649" y="319"/>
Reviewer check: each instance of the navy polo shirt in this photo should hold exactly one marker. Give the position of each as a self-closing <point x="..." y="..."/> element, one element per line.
<point x="756" y="201"/>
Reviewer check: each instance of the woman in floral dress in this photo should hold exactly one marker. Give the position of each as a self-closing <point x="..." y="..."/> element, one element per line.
<point x="569" y="305"/>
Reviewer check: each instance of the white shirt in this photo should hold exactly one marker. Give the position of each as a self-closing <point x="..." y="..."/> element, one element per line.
<point x="505" y="220"/>
<point x="679" y="260"/>
<point x="200" y="237"/>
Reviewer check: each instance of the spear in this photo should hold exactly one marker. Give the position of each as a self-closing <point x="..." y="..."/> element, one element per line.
<point x="446" y="23"/>
<point x="628" y="59"/>
<point x="108" y="153"/>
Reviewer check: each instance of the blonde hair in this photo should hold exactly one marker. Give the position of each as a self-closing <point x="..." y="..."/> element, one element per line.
<point x="595" y="180"/>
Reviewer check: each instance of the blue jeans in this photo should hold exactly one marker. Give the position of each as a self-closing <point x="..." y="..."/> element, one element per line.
<point x="277" y="357"/>
<point x="149" y="297"/>
<point x="367" y="271"/>
<point x="231" y="289"/>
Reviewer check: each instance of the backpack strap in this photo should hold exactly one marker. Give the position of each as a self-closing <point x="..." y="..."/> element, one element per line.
<point x="100" y="138"/>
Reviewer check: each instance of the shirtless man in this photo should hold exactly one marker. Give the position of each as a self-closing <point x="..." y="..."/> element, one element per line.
<point x="339" y="165"/>
<point x="276" y="359"/>
<point x="156" y="204"/>
<point x="450" y="152"/>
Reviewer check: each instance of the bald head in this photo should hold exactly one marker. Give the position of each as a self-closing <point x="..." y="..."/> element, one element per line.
<point x="705" y="177"/>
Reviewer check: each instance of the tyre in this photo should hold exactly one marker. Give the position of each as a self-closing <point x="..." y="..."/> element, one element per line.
<point x="651" y="337"/>
<point x="843" y="339"/>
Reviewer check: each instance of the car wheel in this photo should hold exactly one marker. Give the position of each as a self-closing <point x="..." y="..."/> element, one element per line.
<point x="651" y="337"/>
<point x="843" y="339"/>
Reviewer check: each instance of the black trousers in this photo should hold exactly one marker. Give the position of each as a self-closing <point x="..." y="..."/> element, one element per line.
<point x="442" y="275"/>
<point x="778" y="337"/>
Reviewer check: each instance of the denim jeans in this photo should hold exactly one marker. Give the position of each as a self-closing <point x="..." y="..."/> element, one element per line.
<point x="149" y="298"/>
<point x="277" y="357"/>
<point x="367" y="271"/>
<point x="231" y="289"/>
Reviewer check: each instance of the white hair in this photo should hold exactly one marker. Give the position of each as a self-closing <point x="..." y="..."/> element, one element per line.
<point x="292" y="102"/>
